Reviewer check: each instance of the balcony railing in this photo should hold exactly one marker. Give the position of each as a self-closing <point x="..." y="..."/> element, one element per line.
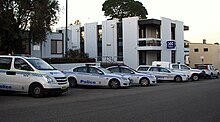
<point x="149" y="42"/>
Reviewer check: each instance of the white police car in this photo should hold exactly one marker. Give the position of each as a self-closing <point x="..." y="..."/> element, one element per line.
<point x="31" y="75"/>
<point x="137" y="78"/>
<point x="95" y="76"/>
<point x="163" y="73"/>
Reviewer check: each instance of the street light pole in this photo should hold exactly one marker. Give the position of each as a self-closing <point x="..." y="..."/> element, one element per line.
<point x="66" y="34"/>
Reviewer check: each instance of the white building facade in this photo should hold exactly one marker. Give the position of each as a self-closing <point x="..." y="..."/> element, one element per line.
<point x="132" y="41"/>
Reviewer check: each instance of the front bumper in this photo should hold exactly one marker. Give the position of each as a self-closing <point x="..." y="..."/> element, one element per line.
<point x="126" y="83"/>
<point x="56" y="90"/>
<point x="153" y="81"/>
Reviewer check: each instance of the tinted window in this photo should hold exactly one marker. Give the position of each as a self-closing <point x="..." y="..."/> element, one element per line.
<point x="116" y="69"/>
<point x="94" y="70"/>
<point x="175" y="66"/>
<point x="125" y="70"/>
<point x="22" y="65"/>
<point x="212" y="68"/>
<point x="143" y="68"/>
<point x="155" y="69"/>
<point x="5" y="63"/>
<point x="202" y="67"/>
<point x="40" y="64"/>
<point x="80" y="69"/>
<point x="184" y="67"/>
<point x="164" y="70"/>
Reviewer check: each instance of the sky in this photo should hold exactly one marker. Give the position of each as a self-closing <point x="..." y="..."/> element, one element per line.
<point x="202" y="16"/>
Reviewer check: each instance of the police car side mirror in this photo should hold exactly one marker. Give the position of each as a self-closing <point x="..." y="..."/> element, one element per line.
<point x="100" y="73"/>
<point x="132" y="73"/>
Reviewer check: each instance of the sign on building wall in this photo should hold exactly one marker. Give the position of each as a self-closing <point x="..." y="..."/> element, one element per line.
<point x="171" y="44"/>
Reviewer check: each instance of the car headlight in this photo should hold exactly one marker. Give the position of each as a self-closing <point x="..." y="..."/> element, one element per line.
<point x="49" y="79"/>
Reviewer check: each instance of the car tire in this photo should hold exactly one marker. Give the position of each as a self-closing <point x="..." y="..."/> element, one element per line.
<point x="144" y="82"/>
<point x="195" y="77"/>
<point x="114" y="84"/>
<point x="72" y="82"/>
<point x="36" y="90"/>
<point x="178" y="79"/>
<point x="211" y="76"/>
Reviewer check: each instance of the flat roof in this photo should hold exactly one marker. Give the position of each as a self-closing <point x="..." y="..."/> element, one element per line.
<point x="156" y="22"/>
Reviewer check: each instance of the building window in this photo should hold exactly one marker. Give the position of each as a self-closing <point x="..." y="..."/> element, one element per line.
<point x="99" y="45"/>
<point x="56" y="46"/>
<point x="206" y="49"/>
<point x="158" y="55"/>
<point x="173" y="56"/>
<point x="82" y="36"/>
<point x="142" y="32"/>
<point x="196" y="50"/>
<point x="142" y="57"/>
<point x="173" y="35"/>
<point x="119" y="42"/>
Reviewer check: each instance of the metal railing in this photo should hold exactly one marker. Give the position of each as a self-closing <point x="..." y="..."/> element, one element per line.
<point x="149" y="42"/>
<point x="110" y="59"/>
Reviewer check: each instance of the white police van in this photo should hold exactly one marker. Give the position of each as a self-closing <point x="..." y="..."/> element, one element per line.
<point x="95" y="76"/>
<point x="31" y="75"/>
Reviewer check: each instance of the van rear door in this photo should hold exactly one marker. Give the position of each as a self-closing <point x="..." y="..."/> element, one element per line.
<point x="5" y="73"/>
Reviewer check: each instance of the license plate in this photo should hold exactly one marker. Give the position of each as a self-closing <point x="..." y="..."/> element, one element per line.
<point x="64" y="87"/>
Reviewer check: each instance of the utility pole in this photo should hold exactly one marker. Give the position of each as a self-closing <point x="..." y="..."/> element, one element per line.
<point x="66" y="34"/>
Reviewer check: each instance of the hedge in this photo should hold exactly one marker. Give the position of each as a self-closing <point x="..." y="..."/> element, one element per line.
<point x="68" y="60"/>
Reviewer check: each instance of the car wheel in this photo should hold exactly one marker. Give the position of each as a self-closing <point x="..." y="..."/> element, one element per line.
<point x="211" y="76"/>
<point x="114" y="84"/>
<point x="195" y="77"/>
<point x="144" y="82"/>
<point x="178" y="79"/>
<point x="36" y="90"/>
<point x="72" y="82"/>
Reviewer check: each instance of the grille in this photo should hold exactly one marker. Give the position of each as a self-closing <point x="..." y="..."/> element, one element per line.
<point x="61" y="79"/>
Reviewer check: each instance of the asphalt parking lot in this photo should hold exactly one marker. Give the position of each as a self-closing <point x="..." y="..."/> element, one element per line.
<point x="166" y="102"/>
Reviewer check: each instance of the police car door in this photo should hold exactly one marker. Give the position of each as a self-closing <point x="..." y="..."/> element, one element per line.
<point x="166" y="73"/>
<point x="130" y="73"/>
<point x="21" y="79"/>
<point x="96" y="77"/>
<point x="5" y="73"/>
<point x="156" y="73"/>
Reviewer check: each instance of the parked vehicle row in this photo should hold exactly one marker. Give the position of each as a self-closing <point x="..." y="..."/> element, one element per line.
<point x="95" y="76"/>
<point x="194" y="74"/>
<point x="38" y="78"/>
<point x="209" y="70"/>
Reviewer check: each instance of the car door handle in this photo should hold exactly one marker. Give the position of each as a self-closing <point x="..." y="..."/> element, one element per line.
<point x="10" y="73"/>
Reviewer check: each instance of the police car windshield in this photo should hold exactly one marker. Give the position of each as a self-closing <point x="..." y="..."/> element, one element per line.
<point x="105" y="70"/>
<point x="40" y="64"/>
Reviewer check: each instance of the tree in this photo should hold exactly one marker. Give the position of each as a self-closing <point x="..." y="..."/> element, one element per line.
<point x="123" y="8"/>
<point x="24" y="19"/>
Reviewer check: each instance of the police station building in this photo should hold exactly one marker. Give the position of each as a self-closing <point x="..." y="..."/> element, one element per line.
<point x="132" y="41"/>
